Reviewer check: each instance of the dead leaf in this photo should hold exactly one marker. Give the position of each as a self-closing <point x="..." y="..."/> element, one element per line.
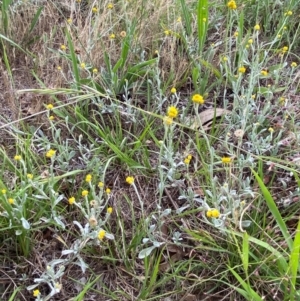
<point x="206" y="116"/>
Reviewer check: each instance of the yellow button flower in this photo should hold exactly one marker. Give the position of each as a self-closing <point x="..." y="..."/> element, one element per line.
<point x="101" y="234"/>
<point x="88" y="178"/>
<point x="130" y="180"/>
<point x="109" y="210"/>
<point x="173" y="90"/>
<point x="50" y="153"/>
<point x="49" y="106"/>
<point x="242" y="69"/>
<point x="71" y="200"/>
<point x="172" y="112"/>
<point x="17" y="157"/>
<point x="197" y="98"/>
<point x="226" y="160"/>
<point x="36" y="293"/>
<point x="232" y="4"/>
<point x="84" y="193"/>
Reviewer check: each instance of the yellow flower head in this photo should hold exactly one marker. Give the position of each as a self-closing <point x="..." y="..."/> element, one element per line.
<point x="257" y="27"/>
<point x="264" y="72"/>
<point x="50" y="153"/>
<point x="110" y="6"/>
<point x="71" y="200"/>
<point x="101" y="234"/>
<point x="112" y="36"/>
<point x="17" y="157"/>
<point x="109" y="210"/>
<point x="293" y="64"/>
<point x="30" y="176"/>
<point x="84" y="193"/>
<point x="123" y="34"/>
<point x="11" y="201"/>
<point x="63" y="47"/>
<point x="94" y="10"/>
<point x="215" y="213"/>
<point x="168" y="120"/>
<point x="284" y="49"/>
<point x="95" y="70"/>
<point x="82" y="65"/>
<point x="226" y="160"/>
<point x="187" y="161"/>
<point x="250" y="41"/>
<point x="69" y="21"/>
<point x="271" y="130"/>
<point x="236" y="34"/>
<point x="130" y="180"/>
<point x="88" y="178"/>
<point x="242" y="69"/>
<point x="288" y="13"/>
<point x="51" y="117"/>
<point x="197" y="98"/>
<point x="232" y="4"/>
<point x="108" y="190"/>
<point x="100" y="184"/>
<point x="172" y="112"/>
<point x="3" y="191"/>
<point x="36" y="293"/>
<point x="173" y="90"/>
<point x="49" y="106"/>
<point x="167" y="32"/>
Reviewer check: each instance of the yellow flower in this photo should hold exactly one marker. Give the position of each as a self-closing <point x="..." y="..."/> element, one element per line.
<point x="123" y="34"/>
<point x="50" y="153"/>
<point x="84" y="193"/>
<point x="288" y="13"/>
<point x="226" y="160"/>
<point x="208" y="213"/>
<point x="215" y="213"/>
<point x="95" y="70"/>
<point x="271" y="130"/>
<point x="130" y="180"/>
<point x="112" y="36"/>
<point x="11" y="201"/>
<point x="172" y="112"/>
<point x="94" y="10"/>
<point x="204" y="20"/>
<point x="58" y="68"/>
<point x="3" y="191"/>
<point x="242" y="69"/>
<point x="167" y="32"/>
<point x="293" y="64"/>
<point x="178" y="19"/>
<point x="69" y="21"/>
<point x="100" y="184"/>
<point x="49" y="106"/>
<point x="284" y="49"/>
<point x="109" y="210"/>
<point x="110" y="6"/>
<point x="224" y="59"/>
<point x="101" y="234"/>
<point x="231" y="4"/>
<point x="71" y="200"/>
<point x="17" y="157"/>
<point x="187" y="161"/>
<point x="197" y="98"/>
<point x="168" y="120"/>
<point x="51" y="117"/>
<point x="264" y="72"/>
<point x="88" y="178"/>
<point x="257" y="27"/>
<point x="63" y="47"/>
<point x="82" y="65"/>
<point x="236" y="34"/>
<point x="189" y="157"/>
<point x="108" y="190"/>
<point x="173" y="90"/>
<point x="30" y="176"/>
<point x="250" y="41"/>
<point x="36" y="293"/>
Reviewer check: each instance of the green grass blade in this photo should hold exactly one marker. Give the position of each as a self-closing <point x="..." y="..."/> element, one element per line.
<point x="74" y="59"/>
<point x="202" y="21"/>
<point x="186" y="17"/>
<point x="294" y="262"/>
<point x="245" y="254"/>
<point x="274" y="210"/>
